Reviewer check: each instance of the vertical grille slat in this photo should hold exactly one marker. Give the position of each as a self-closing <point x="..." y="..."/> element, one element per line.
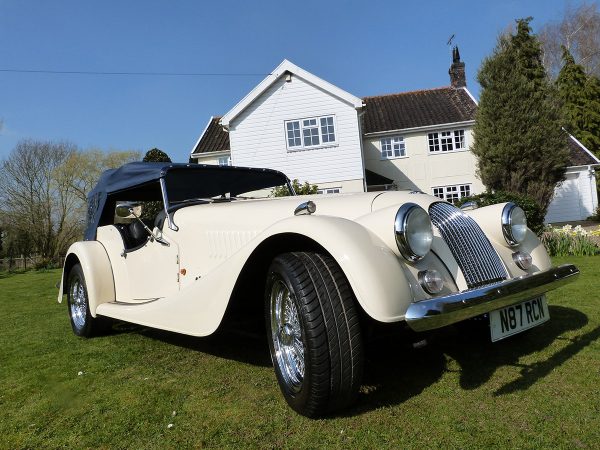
<point x="471" y="248"/>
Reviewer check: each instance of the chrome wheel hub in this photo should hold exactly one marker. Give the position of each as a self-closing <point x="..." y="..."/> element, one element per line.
<point x="78" y="304"/>
<point x="287" y="336"/>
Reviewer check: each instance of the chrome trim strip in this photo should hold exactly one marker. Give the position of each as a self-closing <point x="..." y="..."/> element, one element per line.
<point x="507" y="224"/>
<point x="439" y="312"/>
<point x="400" y="225"/>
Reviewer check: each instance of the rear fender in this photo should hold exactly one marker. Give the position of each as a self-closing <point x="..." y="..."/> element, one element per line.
<point x="97" y="271"/>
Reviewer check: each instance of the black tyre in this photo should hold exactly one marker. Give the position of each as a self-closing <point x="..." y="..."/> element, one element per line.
<point x="314" y="333"/>
<point x="82" y="321"/>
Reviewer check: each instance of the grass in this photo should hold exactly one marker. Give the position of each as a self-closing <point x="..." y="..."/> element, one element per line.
<point x="536" y="390"/>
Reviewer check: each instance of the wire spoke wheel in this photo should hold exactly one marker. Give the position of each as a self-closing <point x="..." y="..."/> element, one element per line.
<point x="78" y="303"/>
<point x="314" y="333"/>
<point x="287" y="335"/>
<point x="82" y="321"/>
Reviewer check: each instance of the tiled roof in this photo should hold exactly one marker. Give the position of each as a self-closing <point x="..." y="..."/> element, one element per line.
<point x="417" y="109"/>
<point x="578" y="156"/>
<point x="214" y="139"/>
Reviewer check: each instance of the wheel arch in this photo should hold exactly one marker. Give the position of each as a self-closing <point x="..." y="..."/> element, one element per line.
<point x="97" y="272"/>
<point x="247" y="294"/>
<point x="374" y="273"/>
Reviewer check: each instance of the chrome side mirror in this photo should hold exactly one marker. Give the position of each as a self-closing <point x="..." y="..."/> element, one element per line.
<point x="126" y="210"/>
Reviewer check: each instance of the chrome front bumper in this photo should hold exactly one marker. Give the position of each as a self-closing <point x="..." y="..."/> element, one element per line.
<point x="439" y="312"/>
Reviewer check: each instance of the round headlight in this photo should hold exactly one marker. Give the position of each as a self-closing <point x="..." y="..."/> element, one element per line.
<point x="514" y="224"/>
<point x="413" y="231"/>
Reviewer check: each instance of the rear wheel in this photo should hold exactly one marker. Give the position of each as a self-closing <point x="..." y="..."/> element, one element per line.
<point x="314" y="333"/>
<point x="82" y="321"/>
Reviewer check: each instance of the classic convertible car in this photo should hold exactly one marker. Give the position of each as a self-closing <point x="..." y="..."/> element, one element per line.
<point x="170" y="246"/>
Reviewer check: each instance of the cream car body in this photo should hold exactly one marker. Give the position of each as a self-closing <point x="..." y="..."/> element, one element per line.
<point x="183" y="276"/>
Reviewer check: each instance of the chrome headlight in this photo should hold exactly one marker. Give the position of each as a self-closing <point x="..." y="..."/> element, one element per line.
<point x="514" y="224"/>
<point x="413" y="230"/>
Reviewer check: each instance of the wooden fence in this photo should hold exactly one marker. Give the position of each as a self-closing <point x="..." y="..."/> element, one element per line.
<point x="27" y="262"/>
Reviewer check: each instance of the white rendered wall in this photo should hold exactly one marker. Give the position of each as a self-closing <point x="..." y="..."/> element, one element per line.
<point x="421" y="170"/>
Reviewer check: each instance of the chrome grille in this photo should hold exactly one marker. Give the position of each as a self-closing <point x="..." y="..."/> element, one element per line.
<point x="479" y="262"/>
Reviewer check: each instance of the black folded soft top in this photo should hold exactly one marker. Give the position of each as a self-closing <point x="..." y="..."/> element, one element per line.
<point x="140" y="181"/>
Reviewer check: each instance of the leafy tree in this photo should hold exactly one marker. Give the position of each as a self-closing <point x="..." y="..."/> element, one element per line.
<point x="580" y="96"/>
<point x="300" y="189"/>
<point x="518" y="137"/>
<point x="156" y="155"/>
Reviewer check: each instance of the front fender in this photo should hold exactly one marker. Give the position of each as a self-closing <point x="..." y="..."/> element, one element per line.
<point x="374" y="272"/>
<point x="97" y="271"/>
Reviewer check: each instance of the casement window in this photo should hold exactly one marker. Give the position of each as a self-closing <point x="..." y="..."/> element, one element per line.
<point x="334" y="190"/>
<point x="310" y="132"/>
<point x="224" y="160"/>
<point x="452" y="193"/>
<point x="446" y="141"/>
<point x="393" y="147"/>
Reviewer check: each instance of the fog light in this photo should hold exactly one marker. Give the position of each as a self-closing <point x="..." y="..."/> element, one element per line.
<point x="522" y="259"/>
<point x="431" y="281"/>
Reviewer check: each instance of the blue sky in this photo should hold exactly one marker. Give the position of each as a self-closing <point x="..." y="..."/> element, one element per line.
<point x="365" y="47"/>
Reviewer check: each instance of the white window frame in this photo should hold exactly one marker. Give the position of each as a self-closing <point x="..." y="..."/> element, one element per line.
<point x="330" y="190"/>
<point x="443" y="139"/>
<point x="447" y="192"/>
<point x="224" y="160"/>
<point x="393" y="141"/>
<point x="300" y="127"/>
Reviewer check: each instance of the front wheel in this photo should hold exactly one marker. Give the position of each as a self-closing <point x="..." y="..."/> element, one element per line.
<point x="82" y="321"/>
<point x="314" y="333"/>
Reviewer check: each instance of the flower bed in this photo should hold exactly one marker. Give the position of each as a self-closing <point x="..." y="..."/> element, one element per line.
<point x="570" y="240"/>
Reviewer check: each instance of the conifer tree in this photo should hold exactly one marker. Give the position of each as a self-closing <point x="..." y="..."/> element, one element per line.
<point x="580" y="96"/>
<point x="518" y="138"/>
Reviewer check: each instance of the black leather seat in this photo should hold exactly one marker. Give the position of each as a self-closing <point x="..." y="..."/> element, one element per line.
<point x="137" y="233"/>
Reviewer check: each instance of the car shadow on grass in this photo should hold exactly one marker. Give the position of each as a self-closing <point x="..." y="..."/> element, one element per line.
<point x="244" y="343"/>
<point x="395" y="371"/>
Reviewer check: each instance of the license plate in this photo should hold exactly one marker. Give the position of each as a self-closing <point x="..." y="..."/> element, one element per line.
<point x="513" y="319"/>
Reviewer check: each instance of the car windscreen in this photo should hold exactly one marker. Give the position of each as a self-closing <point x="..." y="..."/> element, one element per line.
<point x="189" y="184"/>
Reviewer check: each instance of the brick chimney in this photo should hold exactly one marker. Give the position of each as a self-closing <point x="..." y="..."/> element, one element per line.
<point x="457" y="70"/>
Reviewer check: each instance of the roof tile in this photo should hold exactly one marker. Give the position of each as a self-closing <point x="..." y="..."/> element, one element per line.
<point x="417" y="109"/>
<point x="214" y="139"/>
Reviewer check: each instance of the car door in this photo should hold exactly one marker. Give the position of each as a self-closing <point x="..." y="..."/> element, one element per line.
<point x="152" y="270"/>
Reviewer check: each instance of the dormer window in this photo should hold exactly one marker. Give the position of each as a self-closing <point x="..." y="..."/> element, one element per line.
<point x="446" y="141"/>
<point x="311" y="132"/>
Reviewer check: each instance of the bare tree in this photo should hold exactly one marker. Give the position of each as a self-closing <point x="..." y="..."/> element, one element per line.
<point x="83" y="168"/>
<point x="37" y="203"/>
<point x="579" y="32"/>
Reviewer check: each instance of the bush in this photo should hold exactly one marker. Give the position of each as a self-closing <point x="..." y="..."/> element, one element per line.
<point x="596" y="216"/>
<point x="569" y="241"/>
<point x="300" y="189"/>
<point x="44" y="264"/>
<point x="533" y="211"/>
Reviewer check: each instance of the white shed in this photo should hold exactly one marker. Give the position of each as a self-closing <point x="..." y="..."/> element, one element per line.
<point x="576" y="198"/>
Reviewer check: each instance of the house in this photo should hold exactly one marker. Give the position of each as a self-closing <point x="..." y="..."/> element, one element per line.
<point x="314" y="131"/>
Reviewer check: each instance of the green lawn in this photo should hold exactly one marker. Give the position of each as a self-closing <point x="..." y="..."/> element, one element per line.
<point x="536" y="390"/>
